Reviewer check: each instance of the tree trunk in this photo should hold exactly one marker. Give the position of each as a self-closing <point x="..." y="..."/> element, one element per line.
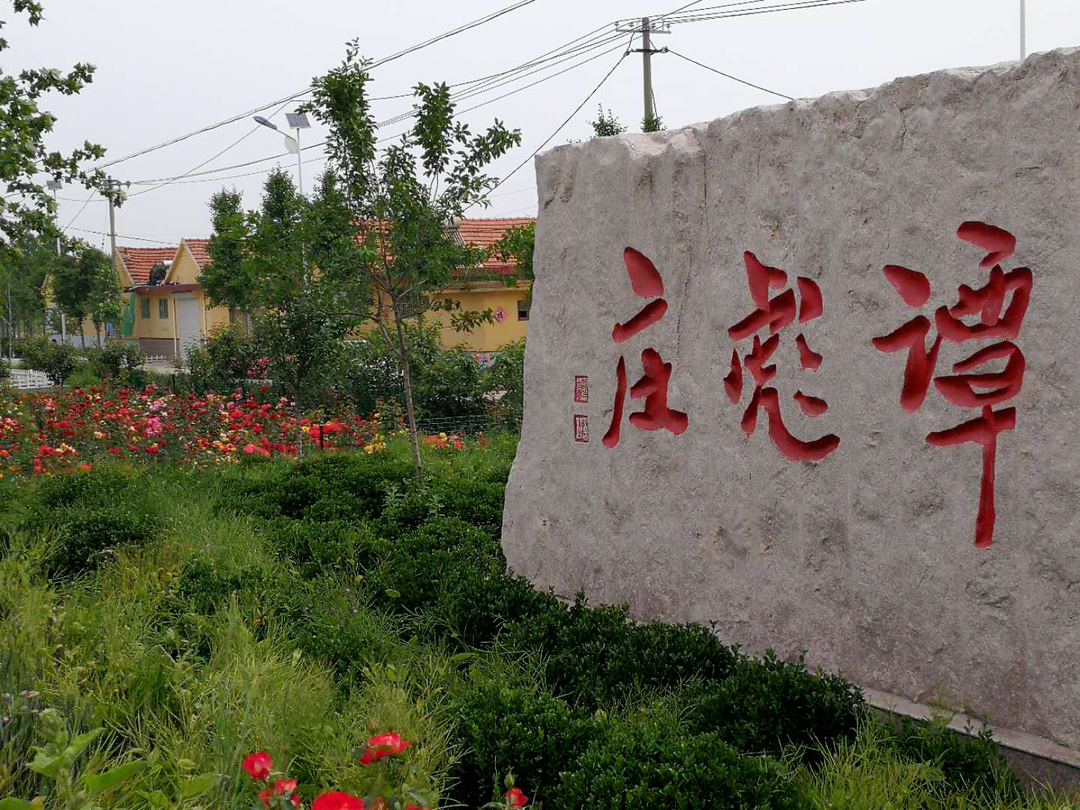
<point x="82" y="336"/>
<point x="299" y="432"/>
<point x="410" y="407"/>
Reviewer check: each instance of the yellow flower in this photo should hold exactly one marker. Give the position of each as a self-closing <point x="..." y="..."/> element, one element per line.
<point x="368" y="448"/>
<point x="306" y="428"/>
<point x="98" y="434"/>
<point x="442" y="435"/>
<point x="375" y="415"/>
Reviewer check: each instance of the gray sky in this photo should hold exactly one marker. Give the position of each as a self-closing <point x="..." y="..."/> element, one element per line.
<point x="167" y="68"/>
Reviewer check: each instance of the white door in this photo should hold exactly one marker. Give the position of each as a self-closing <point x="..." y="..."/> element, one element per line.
<point x="187" y="323"/>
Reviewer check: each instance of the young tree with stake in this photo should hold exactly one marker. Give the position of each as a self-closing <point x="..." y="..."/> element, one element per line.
<point x="402" y="204"/>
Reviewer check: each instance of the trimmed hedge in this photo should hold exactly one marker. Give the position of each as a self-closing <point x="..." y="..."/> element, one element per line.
<point x="92" y="515"/>
<point x="599" y="655"/>
<point x="502" y="729"/>
<point x="769" y="706"/>
<point x="649" y="762"/>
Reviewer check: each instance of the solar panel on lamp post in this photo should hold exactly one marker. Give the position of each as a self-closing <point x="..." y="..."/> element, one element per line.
<point x="297" y="121"/>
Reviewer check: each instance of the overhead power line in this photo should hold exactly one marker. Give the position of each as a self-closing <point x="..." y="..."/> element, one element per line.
<point x="123" y="236"/>
<point x="569" y="118"/>
<point x="285" y="100"/>
<point x="729" y="76"/>
<point x="461" y="95"/>
<point x="751" y="12"/>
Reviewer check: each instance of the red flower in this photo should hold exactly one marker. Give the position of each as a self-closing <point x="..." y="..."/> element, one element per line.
<point x="86" y="467"/>
<point x="249" y="449"/>
<point x="337" y="801"/>
<point x="515" y="798"/>
<point x="282" y="787"/>
<point x="383" y="745"/>
<point x="259" y="765"/>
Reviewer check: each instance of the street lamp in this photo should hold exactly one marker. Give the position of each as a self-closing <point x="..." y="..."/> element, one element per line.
<point x="55" y="186"/>
<point x="297" y="121"/>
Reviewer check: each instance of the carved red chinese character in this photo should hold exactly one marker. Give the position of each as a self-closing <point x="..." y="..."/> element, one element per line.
<point x="777" y="313"/>
<point x="646" y="282"/>
<point x="965" y="388"/>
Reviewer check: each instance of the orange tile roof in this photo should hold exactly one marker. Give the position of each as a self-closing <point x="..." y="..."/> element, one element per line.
<point x="139" y="261"/>
<point x="483" y="233"/>
<point x="198" y="250"/>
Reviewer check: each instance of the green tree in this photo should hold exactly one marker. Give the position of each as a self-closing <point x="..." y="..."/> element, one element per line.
<point x="227" y="280"/>
<point x="291" y="251"/>
<point x="517" y="246"/>
<point x="27" y="209"/>
<point x="402" y="204"/>
<point x="606" y="124"/>
<point x="72" y="289"/>
<point x="22" y="275"/>
<point x="106" y="302"/>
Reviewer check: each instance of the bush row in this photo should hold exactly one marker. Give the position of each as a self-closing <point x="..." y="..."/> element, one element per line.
<point x="374" y="556"/>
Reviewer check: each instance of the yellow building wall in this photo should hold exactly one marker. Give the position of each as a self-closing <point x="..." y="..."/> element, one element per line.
<point x="486" y="337"/>
<point x="184" y="270"/>
<point x="153" y="326"/>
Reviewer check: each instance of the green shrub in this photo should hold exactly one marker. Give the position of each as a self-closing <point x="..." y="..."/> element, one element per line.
<point x="222" y="362"/>
<point x="478" y="502"/>
<point x="649" y="762"/>
<point x="5" y="369"/>
<point x="335" y="624"/>
<point x="454" y="573"/>
<point x="967" y="763"/>
<point x="90" y="535"/>
<point x="766" y="705"/>
<point x="348" y="487"/>
<point x="90" y="516"/>
<point x="119" y="361"/>
<point x="57" y="360"/>
<point x="501" y="728"/>
<point x="596" y="655"/>
<point x="320" y="546"/>
<point x="507" y="377"/>
<point x="446" y="383"/>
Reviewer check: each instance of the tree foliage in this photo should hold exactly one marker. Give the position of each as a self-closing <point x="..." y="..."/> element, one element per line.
<point x="228" y="279"/>
<point x="402" y="204"/>
<point x="84" y="285"/>
<point x="27" y="209"/>
<point x="289" y="254"/>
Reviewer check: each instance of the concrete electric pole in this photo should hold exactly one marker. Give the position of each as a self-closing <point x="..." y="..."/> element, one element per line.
<point x="646" y="28"/>
<point x="1023" y="30"/>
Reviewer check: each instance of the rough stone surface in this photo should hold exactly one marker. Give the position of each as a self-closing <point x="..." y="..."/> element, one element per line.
<point x="866" y="558"/>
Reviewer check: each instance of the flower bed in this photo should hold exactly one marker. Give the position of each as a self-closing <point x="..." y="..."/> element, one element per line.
<point x="42" y="433"/>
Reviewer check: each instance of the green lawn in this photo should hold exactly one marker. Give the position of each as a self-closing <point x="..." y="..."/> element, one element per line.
<point x="196" y="617"/>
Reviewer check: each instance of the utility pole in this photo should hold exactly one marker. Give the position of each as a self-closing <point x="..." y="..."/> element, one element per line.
<point x="1023" y="30"/>
<point x="114" y="189"/>
<point x="646" y="27"/>
<point x="646" y="68"/>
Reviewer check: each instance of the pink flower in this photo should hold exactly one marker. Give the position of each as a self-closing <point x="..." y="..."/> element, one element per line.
<point x="259" y="765"/>
<point x="337" y="801"/>
<point x="249" y="449"/>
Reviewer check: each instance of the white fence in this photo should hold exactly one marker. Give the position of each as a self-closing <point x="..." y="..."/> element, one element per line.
<point x="26" y="379"/>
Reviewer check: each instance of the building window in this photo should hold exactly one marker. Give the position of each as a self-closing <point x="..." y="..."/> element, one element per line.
<point x="523" y="310"/>
<point x="144" y="304"/>
<point x="163" y="308"/>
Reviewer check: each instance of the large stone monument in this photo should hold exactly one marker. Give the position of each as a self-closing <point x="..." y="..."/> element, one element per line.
<point x="810" y="372"/>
